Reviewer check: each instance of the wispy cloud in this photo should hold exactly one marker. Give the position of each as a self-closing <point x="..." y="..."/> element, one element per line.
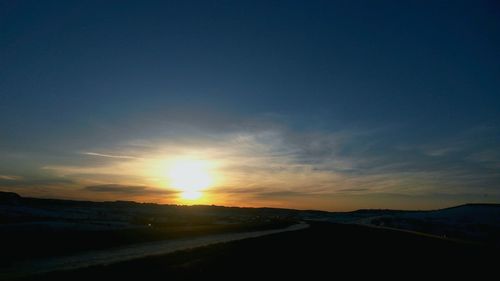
<point x="489" y="158"/>
<point x="10" y="177"/>
<point x="281" y="194"/>
<point x="278" y="160"/>
<point x="36" y="182"/>
<point x="354" y="190"/>
<point x="128" y="189"/>
<point x="54" y="187"/>
<point x="266" y="164"/>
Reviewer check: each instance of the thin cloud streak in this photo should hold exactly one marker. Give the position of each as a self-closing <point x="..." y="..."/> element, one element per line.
<point x="9" y="177"/>
<point x="274" y="165"/>
<point x="109" y="155"/>
<point x="278" y="159"/>
<point x="128" y="189"/>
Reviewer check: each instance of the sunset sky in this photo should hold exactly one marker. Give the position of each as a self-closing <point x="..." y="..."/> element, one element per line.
<point x="331" y="105"/>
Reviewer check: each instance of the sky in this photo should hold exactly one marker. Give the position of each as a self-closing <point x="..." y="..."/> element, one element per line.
<point x="330" y="105"/>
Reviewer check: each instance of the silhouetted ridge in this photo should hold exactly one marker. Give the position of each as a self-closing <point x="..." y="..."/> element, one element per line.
<point x="9" y="197"/>
<point x="492" y="205"/>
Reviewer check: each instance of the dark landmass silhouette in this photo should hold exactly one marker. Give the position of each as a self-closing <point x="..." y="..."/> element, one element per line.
<point x="449" y="242"/>
<point x="324" y="251"/>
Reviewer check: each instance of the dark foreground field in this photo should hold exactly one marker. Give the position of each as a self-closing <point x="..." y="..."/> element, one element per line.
<point x="324" y="251"/>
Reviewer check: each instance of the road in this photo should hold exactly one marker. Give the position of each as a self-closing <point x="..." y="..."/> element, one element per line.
<point x="130" y="252"/>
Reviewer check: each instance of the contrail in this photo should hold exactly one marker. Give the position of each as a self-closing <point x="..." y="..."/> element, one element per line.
<point x="109" y="155"/>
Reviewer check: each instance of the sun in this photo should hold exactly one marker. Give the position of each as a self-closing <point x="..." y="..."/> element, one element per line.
<point x="191" y="177"/>
<point x="191" y="195"/>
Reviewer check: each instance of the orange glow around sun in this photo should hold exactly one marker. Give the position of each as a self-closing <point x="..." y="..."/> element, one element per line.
<point x="190" y="177"/>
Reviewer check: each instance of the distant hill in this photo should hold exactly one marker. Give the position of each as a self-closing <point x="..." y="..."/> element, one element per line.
<point x="9" y="197"/>
<point x="472" y="222"/>
<point x="38" y="228"/>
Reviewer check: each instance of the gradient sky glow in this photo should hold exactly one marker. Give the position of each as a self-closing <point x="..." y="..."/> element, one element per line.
<point x="333" y="105"/>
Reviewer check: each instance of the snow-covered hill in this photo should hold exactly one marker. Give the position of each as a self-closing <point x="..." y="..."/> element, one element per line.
<point x="472" y="222"/>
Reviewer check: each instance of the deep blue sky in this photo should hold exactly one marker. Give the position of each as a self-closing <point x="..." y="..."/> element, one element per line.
<point x="404" y="89"/>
